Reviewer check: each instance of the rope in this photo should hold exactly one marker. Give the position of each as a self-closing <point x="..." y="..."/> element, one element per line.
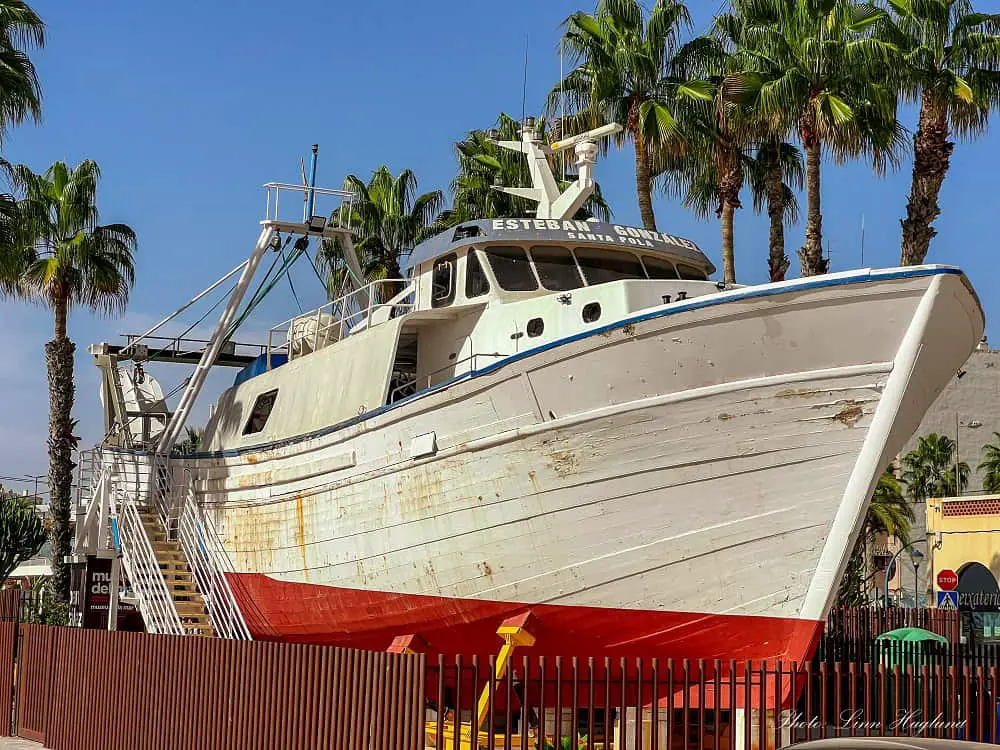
<point x="291" y="285"/>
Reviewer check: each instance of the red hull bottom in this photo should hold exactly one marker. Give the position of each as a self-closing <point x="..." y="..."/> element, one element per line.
<point x="307" y="613"/>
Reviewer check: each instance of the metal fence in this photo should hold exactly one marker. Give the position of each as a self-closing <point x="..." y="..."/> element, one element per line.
<point x="862" y="624"/>
<point x="79" y="689"/>
<point x="615" y="704"/>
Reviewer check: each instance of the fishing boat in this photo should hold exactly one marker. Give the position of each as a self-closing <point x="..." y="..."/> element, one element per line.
<point x="547" y="415"/>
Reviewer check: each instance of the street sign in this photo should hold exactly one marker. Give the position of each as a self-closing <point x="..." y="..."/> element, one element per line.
<point x="947" y="580"/>
<point x="947" y="599"/>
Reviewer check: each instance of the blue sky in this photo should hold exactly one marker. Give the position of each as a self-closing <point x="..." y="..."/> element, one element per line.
<point x="189" y="111"/>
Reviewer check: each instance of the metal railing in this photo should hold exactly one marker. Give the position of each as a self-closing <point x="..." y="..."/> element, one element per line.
<point x="415" y="384"/>
<point x="126" y="487"/>
<point x="121" y="492"/>
<point x="202" y="549"/>
<point x="308" y="332"/>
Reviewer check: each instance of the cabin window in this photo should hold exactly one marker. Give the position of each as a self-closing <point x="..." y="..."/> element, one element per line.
<point x="476" y="283"/>
<point x="690" y="273"/>
<point x="601" y="266"/>
<point x="443" y="281"/>
<point x="556" y="268"/>
<point x="261" y="411"/>
<point x="512" y="268"/>
<point x="536" y="327"/>
<point x="658" y="268"/>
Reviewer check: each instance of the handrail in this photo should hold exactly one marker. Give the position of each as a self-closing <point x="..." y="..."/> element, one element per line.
<point x="200" y="543"/>
<point x="133" y="543"/>
<point x="450" y="366"/>
<point x="346" y="314"/>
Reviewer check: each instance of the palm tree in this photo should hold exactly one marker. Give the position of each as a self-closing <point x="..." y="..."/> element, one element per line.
<point x="952" y="65"/>
<point x="991" y="465"/>
<point x="622" y="74"/>
<point x="61" y="256"/>
<point x="21" y="532"/>
<point x="888" y="513"/>
<point x="929" y="469"/>
<point x="388" y="218"/>
<point x="776" y="174"/>
<point x="482" y="164"/>
<point x="812" y="65"/>
<point x="693" y="177"/>
<point x="20" y="94"/>
<point x="192" y="441"/>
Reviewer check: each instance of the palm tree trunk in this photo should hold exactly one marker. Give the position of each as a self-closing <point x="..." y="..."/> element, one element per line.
<point x="931" y="158"/>
<point x="777" y="261"/>
<point x="728" y="252"/>
<point x="811" y="259"/>
<point x="644" y="185"/>
<point x="59" y="363"/>
<point x="643" y="180"/>
<point x="730" y="184"/>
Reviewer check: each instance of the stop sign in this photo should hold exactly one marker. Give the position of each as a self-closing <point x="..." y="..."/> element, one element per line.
<point x="947" y="580"/>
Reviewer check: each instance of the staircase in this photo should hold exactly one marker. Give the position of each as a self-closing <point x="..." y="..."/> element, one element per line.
<point x="177" y="576"/>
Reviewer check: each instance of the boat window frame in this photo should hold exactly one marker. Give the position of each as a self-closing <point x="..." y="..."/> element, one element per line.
<point x="642" y="268"/>
<point x="451" y="259"/>
<point x="569" y="249"/>
<point x="702" y="275"/>
<point x="522" y="247"/>
<point x="659" y="259"/>
<point x="473" y="256"/>
<point x="258" y="403"/>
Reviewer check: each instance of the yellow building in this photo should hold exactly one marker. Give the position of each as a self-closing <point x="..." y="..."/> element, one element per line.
<point x="963" y="535"/>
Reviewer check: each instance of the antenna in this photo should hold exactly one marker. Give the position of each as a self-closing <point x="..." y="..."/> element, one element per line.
<point x="862" y="240"/>
<point x="562" y="103"/>
<point x="524" y="83"/>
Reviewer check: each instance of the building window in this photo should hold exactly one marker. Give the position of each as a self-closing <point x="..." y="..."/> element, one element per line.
<point x="261" y="411"/>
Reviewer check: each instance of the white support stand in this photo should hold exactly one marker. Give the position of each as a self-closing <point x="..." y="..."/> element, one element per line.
<point x="179" y="418"/>
<point x="544" y="190"/>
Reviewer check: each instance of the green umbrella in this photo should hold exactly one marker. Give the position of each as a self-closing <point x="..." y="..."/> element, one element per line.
<point x="912" y="634"/>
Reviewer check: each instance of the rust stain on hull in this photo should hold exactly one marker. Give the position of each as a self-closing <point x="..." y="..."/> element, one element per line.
<point x="300" y="533"/>
<point x="849" y="415"/>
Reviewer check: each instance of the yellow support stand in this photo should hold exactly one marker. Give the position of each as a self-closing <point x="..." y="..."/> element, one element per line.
<point x="514" y="635"/>
<point x="470" y="736"/>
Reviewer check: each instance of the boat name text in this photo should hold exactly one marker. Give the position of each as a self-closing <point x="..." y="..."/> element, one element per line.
<point x="583" y="230"/>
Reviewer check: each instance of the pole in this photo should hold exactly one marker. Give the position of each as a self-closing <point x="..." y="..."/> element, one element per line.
<point x="888" y="567"/>
<point x="916" y="573"/>
<point x="312" y="183"/>
<point x="958" y="483"/>
<point x="179" y="417"/>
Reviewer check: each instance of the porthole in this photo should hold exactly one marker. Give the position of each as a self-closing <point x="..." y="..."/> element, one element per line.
<point x="591" y="312"/>
<point x="535" y="327"/>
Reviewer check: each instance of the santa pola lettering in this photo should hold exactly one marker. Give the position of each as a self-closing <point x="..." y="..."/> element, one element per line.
<point x="591" y="232"/>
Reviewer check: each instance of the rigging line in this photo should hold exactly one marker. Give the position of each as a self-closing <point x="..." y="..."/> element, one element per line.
<point x="259" y="293"/>
<point x="197" y="322"/>
<point x="288" y="275"/>
<point x="316" y="271"/>
<point x="265" y="290"/>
